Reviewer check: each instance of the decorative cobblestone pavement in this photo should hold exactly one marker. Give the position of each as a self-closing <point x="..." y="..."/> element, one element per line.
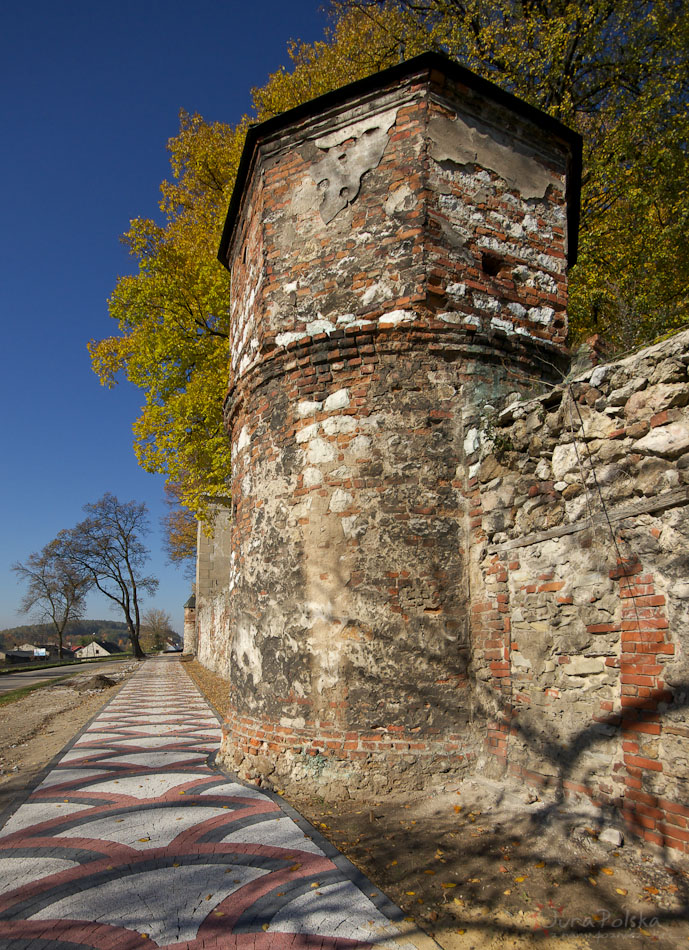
<point x="133" y="839"/>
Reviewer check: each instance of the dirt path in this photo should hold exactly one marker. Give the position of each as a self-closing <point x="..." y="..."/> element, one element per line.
<point x="35" y="728"/>
<point x="480" y="866"/>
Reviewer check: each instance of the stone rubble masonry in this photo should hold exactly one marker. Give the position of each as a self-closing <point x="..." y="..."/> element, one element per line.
<point x="580" y="587"/>
<point x="396" y="257"/>
<point x="421" y="581"/>
<point x="209" y="635"/>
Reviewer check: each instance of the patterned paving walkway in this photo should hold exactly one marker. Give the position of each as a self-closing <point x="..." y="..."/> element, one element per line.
<point x="134" y="840"/>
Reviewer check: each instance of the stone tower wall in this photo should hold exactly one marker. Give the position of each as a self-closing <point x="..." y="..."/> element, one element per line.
<point x="190" y="627"/>
<point x="433" y="566"/>
<point x="397" y="261"/>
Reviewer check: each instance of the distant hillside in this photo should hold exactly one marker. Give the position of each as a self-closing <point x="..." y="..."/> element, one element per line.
<point x="41" y="634"/>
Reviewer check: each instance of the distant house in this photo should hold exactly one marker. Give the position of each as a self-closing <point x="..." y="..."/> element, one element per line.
<point x="30" y="652"/>
<point x="48" y="651"/>
<point x="15" y="657"/>
<point x="97" y="648"/>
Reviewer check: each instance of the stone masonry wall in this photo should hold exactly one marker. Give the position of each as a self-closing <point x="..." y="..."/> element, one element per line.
<point x="384" y="279"/>
<point x="190" y="626"/>
<point x="429" y="568"/>
<point x="211" y="601"/>
<point x="579" y="587"/>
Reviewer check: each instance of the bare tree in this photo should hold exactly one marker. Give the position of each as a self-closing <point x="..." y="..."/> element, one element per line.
<point x="107" y="545"/>
<point x="156" y="626"/>
<point x="56" y="588"/>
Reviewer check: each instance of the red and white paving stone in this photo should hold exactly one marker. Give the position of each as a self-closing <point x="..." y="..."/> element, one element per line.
<point x="135" y="839"/>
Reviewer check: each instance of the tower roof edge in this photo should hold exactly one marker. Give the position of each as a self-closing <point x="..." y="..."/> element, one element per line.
<point x="427" y="62"/>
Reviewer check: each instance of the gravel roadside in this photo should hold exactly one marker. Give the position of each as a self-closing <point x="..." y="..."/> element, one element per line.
<point x="34" y="728"/>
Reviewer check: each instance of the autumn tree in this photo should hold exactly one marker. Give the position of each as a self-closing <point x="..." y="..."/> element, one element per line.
<point x="359" y="44"/>
<point x="172" y="316"/>
<point x="616" y="70"/>
<point x="180" y="529"/>
<point x="56" y="588"/>
<point x="108" y="547"/>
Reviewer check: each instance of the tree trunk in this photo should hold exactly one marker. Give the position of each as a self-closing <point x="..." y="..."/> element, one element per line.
<point x="133" y="636"/>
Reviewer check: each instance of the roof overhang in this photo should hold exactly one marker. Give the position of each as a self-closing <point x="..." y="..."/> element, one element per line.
<point x="429" y="62"/>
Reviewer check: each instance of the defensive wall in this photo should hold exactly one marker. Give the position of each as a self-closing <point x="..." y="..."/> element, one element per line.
<point x="441" y="554"/>
<point x="210" y="608"/>
<point x="580" y="586"/>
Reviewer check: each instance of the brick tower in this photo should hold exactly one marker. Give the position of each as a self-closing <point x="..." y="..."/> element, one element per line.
<point x="398" y="251"/>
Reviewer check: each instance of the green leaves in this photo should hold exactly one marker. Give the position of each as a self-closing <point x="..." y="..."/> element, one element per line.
<point x="616" y="70"/>
<point x="172" y="316"/>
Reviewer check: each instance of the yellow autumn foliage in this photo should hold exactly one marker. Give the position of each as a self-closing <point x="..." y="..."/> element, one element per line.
<point x="616" y="70"/>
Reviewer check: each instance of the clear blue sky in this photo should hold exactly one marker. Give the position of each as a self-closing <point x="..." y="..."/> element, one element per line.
<point x="89" y="95"/>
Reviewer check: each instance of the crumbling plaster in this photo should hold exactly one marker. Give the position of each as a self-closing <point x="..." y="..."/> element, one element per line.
<point x="422" y="581"/>
<point x="355" y="348"/>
